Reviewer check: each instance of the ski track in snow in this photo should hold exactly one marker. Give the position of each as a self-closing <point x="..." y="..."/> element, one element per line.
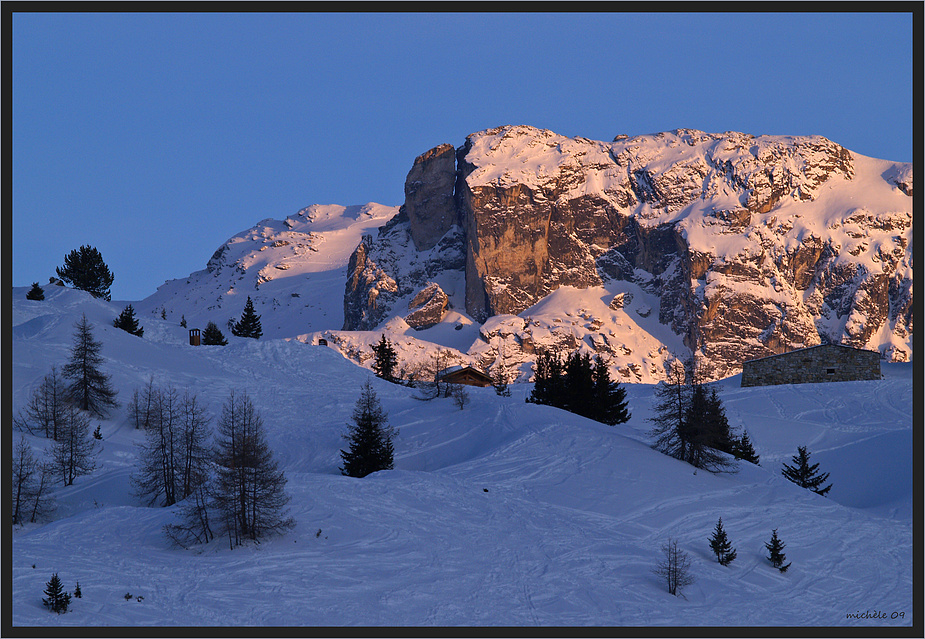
<point x="502" y="514"/>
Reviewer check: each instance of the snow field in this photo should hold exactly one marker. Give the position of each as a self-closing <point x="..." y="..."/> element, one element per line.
<point x="504" y="513"/>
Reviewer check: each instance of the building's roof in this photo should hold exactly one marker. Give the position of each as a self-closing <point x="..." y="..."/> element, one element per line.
<point x="809" y="348"/>
<point x="460" y="368"/>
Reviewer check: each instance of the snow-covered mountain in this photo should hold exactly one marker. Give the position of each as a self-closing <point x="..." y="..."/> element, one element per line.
<point x="500" y="514"/>
<point x="645" y="249"/>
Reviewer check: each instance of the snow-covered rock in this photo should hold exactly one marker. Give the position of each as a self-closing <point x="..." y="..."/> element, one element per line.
<point x="752" y="245"/>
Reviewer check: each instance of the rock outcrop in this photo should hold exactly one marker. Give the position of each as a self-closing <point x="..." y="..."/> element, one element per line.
<point x="753" y="245"/>
<point x="427" y="307"/>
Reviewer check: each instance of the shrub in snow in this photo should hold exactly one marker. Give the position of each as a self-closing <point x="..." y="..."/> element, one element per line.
<point x="674" y="568"/>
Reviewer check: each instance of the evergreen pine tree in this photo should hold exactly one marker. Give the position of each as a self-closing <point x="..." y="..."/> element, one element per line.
<point x="183" y="321"/>
<point x="386" y="359"/>
<point x="500" y="377"/>
<point x="716" y="425"/>
<point x="578" y="385"/>
<point x="744" y="450"/>
<point x="610" y="405"/>
<point x="56" y="599"/>
<point x="775" y="552"/>
<point x="370" y="437"/>
<point x="128" y="322"/>
<point x="77" y="593"/>
<point x="719" y="544"/>
<point x="706" y="431"/>
<point x="249" y="324"/>
<point x="85" y="269"/>
<point x="547" y="380"/>
<point x="35" y="293"/>
<point x="212" y="336"/>
<point x="803" y="474"/>
<point x="90" y="388"/>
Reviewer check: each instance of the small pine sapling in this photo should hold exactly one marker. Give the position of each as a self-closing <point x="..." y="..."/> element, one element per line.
<point x="719" y="544"/>
<point x="804" y="474"/>
<point x="776" y="552"/>
<point x="128" y="322"/>
<point x="36" y="293"/>
<point x="77" y="592"/>
<point x="744" y="450"/>
<point x="56" y="599"/>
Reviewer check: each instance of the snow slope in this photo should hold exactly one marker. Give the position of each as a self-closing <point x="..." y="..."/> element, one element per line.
<point x="502" y="514"/>
<point x="293" y="269"/>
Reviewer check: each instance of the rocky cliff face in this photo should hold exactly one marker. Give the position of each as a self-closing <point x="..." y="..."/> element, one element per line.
<point x="751" y="245"/>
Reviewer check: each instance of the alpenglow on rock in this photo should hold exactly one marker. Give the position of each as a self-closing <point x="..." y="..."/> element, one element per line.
<point x="754" y="245"/>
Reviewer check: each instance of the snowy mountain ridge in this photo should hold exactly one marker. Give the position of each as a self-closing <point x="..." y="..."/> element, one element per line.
<point x="726" y="246"/>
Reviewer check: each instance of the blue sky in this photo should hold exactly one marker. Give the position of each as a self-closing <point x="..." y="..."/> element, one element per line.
<point x="156" y="137"/>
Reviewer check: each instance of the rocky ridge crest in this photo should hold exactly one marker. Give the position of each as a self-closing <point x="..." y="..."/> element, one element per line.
<point x="750" y="245"/>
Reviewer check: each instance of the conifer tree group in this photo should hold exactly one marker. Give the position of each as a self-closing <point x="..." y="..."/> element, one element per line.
<point x="248" y="495"/>
<point x="74" y="452"/>
<point x="31" y="488"/>
<point x="579" y="385"/>
<point x="690" y="422"/>
<point x="174" y="456"/>
<point x="44" y="414"/>
<point x="243" y="496"/>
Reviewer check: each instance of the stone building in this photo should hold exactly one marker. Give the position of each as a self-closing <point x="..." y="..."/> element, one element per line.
<point x="823" y="363"/>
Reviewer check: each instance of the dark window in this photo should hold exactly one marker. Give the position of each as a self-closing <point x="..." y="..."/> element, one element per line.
<point x="830" y="371"/>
